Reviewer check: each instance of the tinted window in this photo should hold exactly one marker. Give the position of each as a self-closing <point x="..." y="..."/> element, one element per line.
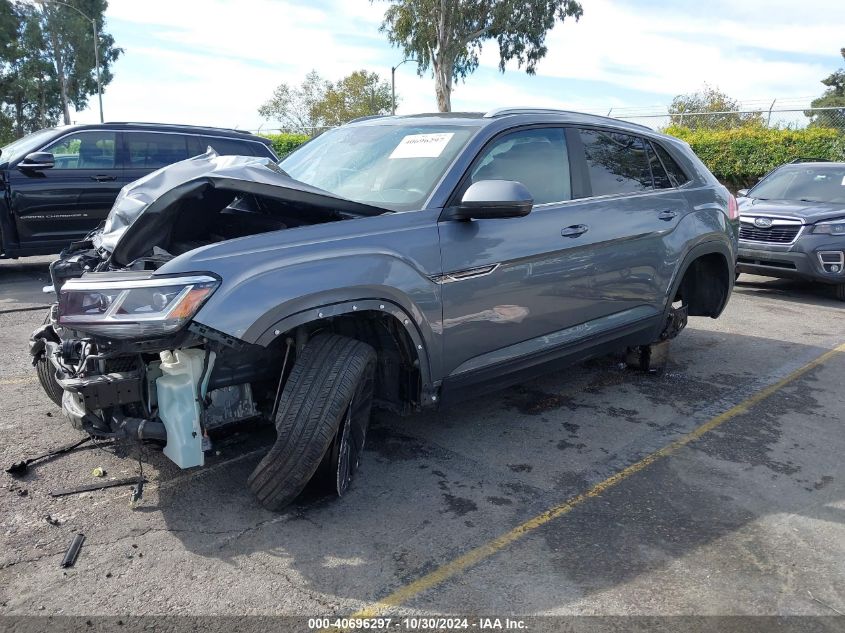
<point x="84" y="150"/>
<point x="617" y="163"/>
<point x="675" y="173"/>
<point x="228" y="146"/>
<point x="537" y="158"/>
<point x="661" y="178"/>
<point x="151" y="150"/>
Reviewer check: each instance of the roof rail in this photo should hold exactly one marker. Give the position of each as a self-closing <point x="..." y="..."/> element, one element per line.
<point x="184" y="125"/>
<point x="527" y="110"/>
<point x="368" y="117"/>
<point x="809" y="160"/>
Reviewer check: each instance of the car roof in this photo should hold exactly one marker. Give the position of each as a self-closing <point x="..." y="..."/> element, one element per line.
<point x="168" y="127"/>
<point x="517" y="115"/>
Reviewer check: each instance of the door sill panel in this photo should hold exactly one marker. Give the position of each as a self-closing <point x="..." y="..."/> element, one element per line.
<point x="563" y="353"/>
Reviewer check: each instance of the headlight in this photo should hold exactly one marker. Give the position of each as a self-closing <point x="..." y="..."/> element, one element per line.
<point x="132" y="307"/>
<point x="833" y="227"/>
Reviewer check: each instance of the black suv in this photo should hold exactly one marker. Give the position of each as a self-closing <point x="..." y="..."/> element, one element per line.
<point x="60" y="183"/>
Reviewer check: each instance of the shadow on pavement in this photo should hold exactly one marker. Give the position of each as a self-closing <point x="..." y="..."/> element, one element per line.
<point x="428" y="492"/>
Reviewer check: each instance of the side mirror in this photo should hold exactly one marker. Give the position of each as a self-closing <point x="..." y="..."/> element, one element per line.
<point x="37" y="160"/>
<point x="742" y="193"/>
<point x="491" y="199"/>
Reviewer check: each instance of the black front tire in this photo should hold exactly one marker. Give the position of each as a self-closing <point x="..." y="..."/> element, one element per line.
<point x="323" y="415"/>
<point x="840" y="292"/>
<point x="47" y="377"/>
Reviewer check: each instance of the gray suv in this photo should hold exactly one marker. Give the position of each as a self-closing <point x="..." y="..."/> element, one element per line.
<point x="396" y="262"/>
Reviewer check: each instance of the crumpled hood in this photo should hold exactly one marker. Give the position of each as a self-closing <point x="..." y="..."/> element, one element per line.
<point x="157" y="191"/>
<point x="808" y="212"/>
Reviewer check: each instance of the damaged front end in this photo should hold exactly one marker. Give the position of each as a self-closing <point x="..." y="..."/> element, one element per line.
<point x="121" y="349"/>
<point x="133" y="368"/>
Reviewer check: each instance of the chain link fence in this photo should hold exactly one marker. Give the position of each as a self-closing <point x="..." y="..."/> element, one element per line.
<point x="792" y="118"/>
<point x="771" y="114"/>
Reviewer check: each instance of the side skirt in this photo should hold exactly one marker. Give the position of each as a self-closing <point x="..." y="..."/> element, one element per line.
<point x="493" y="378"/>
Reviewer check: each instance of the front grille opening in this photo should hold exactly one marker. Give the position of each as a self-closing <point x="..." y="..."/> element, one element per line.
<point x="774" y="235"/>
<point x="768" y="263"/>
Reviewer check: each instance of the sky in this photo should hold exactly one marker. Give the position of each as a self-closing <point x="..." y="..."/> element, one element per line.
<point x="213" y="62"/>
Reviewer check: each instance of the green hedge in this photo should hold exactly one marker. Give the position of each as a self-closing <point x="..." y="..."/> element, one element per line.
<point x="739" y="157"/>
<point x="286" y="143"/>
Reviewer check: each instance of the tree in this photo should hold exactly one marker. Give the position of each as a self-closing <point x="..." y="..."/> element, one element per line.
<point x="317" y="103"/>
<point x="70" y="49"/>
<point x="709" y="108"/>
<point x="833" y="97"/>
<point x="294" y="107"/>
<point x="47" y="61"/>
<point x="29" y="96"/>
<point x="356" y="95"/>
<point x="447" y="35"/>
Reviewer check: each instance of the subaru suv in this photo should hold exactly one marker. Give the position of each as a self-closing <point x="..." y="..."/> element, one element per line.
<point x="792" y="224"/>
<point x="59" y="183"/>
<point x="397" y="262"/>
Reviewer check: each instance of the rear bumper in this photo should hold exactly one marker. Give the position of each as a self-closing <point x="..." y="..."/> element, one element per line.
<point x="801" y="260"/>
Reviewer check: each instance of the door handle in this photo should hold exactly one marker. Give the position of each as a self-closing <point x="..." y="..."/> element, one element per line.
<point x="667" y="215"/>
<point x="102" y="178"/>
<point x="575" y="230"/>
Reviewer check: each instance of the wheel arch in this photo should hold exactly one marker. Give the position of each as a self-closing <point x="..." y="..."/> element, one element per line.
<point x="706" y="295"/>
<point x="359" y="318"/>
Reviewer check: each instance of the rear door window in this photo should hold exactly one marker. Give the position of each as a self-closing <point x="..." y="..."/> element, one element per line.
<point x="673" y="170"/>
<point x="149" y="150"/>
<point x="616" y="163"/>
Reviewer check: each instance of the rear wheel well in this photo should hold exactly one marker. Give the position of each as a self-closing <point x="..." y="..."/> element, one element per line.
<point x="398" y="384"/>
<point x="705" y="285"/>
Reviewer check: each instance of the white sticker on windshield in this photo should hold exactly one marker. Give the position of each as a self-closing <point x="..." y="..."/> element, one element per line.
<point x="422" y="145"/>
<point x="843" y="181"/>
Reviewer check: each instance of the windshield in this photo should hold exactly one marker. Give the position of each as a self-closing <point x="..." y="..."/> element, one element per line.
<point x="23" y="146"/>
<point x="390" y="166"/>
<point x="807" y="183"/>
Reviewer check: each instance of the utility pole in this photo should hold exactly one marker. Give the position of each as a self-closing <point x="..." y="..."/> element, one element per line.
<point x="393" y="84"/>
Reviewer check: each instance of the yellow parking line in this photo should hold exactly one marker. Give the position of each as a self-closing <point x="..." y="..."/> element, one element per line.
<point x="18" y="381"/>
<point x="475" y="556"/>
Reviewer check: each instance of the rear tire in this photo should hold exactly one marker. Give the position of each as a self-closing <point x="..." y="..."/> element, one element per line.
<point x="840" y="292"/>
<point x="323" y="415"/>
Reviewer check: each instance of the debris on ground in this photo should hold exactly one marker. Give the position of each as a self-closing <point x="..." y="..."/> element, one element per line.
<point x="91" y="487"/>
<point x="98" y="472"/>
<point x="52" y="520"/>
<point x="73" y="551"/>
<point x="20" y="468"/>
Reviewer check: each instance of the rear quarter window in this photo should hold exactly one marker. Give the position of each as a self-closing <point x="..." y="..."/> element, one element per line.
<point x="231" y="147"/>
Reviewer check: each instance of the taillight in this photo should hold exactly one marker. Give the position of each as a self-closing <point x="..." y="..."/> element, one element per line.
<point x="733" y="208"/>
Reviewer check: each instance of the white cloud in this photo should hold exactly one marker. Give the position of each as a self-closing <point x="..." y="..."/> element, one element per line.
<point x="214" y="61"/>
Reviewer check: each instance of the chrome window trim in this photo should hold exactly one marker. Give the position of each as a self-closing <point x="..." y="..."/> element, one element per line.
<point x="116" y="131"/>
